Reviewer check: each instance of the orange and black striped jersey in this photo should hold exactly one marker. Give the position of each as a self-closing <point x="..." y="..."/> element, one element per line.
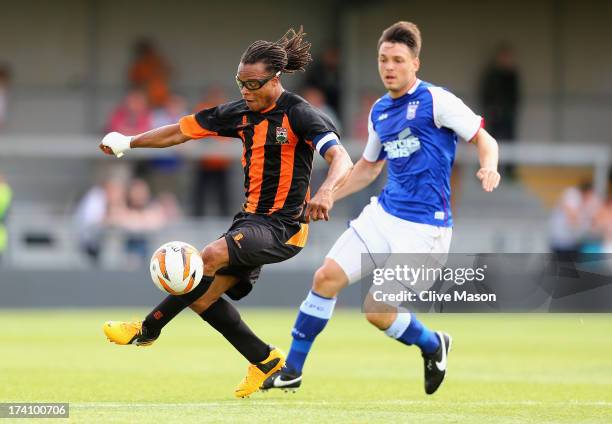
<point x="278" y="148"/>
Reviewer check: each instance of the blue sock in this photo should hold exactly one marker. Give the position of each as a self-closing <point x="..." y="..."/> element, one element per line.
<point x="408" y="329"/>
<point x="314" y="313"/>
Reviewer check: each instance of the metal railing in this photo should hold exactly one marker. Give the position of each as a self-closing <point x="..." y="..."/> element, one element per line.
<point x="526" y="232"/>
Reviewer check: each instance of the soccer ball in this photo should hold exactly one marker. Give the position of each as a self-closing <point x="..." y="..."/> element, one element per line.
<point x="176" y="267"/>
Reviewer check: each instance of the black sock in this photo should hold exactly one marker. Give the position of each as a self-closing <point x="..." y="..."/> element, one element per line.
<point x="171" y="306"/>
<point x="225" y="318"/>
<point x="162" y="314"/>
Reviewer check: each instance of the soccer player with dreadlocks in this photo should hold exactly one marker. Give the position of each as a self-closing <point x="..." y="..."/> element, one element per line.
<point x="280" y="132"/>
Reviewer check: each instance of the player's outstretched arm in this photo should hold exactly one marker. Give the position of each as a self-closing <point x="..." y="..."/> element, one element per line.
<point x="340" y="165"/>
<point x="362" y="176"/>
<point x="488" y="155"/>
<point x="166" y="136"/>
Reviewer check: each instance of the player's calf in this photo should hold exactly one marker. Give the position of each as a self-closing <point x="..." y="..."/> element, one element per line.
<point x="379" y="314"/>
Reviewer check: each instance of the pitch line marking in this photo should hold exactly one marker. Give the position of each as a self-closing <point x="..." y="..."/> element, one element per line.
<point x="257" y="402"/>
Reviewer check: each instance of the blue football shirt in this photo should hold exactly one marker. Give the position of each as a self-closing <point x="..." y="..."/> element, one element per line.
<point x="417" y="135"/>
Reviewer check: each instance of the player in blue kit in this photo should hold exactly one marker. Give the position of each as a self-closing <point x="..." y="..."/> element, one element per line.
<point x="414" y="128"/>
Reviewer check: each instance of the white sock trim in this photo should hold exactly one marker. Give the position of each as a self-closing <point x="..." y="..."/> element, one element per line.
<point x="399" y="326"/>
<point x="318" y="306"/>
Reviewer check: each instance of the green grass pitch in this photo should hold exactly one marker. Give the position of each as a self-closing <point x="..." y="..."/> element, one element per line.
<point x="503" y="369"/>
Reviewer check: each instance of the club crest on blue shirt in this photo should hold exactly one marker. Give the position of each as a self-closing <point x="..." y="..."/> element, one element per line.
<point x="281" y="135"/>
<point x="412" y="108"/>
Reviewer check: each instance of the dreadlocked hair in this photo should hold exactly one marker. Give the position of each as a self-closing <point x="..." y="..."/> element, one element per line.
<point x="289" y="54"/>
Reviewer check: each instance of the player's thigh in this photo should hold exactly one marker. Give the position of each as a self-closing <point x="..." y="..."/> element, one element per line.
<point x="351" y="253"/>
<point x="368" y="229"/>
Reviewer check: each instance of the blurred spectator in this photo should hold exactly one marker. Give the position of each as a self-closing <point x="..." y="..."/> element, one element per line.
<point x="212" y="171"/>
<point x="359" y="132"/>
<point x="163" y="169"/>
<point x="131" y="209"/>
<point x="140" y="217"/>
<point x="603" y="225"/>
<point x="150" y="72"/>
<point x="324" y="74"/>
<point x="360" y="122"/>
<point x="316" y="97"/>
<point x="5" y="201"/>
<point x="500" y="97"/>
<point x="5" y="77"/>
<point x="572" y="220"/>
<point x="99" y="206"/>
<point x="169" y="207"/>
<point x="499" y="94"/>
<point x="132" y="116"/>
<point x="169" y="113"/>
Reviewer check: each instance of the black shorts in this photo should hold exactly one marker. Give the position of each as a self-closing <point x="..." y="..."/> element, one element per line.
<point x="255" y="240"/>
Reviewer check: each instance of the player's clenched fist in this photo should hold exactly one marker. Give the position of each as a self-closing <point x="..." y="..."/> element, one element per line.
<point x="115" y="143"/>
<point x="319" y="206"/>
<point x="489" y="178"/>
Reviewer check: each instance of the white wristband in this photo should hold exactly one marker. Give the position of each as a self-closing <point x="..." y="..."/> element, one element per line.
<point x="118" y="143"/>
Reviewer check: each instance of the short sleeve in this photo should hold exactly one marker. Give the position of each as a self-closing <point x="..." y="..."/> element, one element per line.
<point x="309" y="123"/>
<point x="373" y="151"/>
<point x="221" y="121"/>
<point x="450" y="112"/>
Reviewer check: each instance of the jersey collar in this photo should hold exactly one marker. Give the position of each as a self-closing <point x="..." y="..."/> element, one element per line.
<point x="408" y="93"/>
<point x="414" y="86"/>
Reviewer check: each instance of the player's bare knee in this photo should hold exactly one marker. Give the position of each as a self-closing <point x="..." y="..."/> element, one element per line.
<point x="212" y="256"/>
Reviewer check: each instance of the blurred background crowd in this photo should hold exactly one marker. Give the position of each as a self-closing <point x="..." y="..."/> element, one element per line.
<point x="549" y="117"/>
